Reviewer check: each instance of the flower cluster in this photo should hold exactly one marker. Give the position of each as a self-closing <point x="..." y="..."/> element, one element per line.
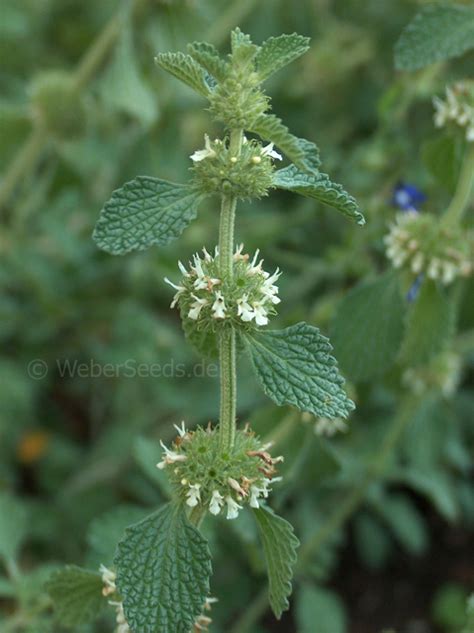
<point x="442" y="374"/>
<point x="424" y="245"/>
<point x="458" y="108"/>
<point x="249" y="175"/>
<point x="109" y="577"/>
<point x="207" y="299"/>
<point x="219" y="481"/>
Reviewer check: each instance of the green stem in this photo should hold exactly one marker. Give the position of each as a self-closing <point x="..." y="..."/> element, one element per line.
<point x="464" y="187"/>
<point x="227" y="343"/>
<point x="336" y="520"/>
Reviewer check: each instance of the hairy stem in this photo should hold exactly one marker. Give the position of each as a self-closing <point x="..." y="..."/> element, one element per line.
<point x="227" y="344"/>
<point x="464" y="187"/>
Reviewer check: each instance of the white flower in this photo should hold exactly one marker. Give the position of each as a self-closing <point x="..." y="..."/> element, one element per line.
<point x="170" y="457"/>
<point x="244" y="309"/>
<point x="254" y="495"/>
<point x="216" y="503"/>
<point x="182" y="269"/>
<point x="260" y="313"/>
<point x="180" y="290"/>
<point x="120" y="618"/>
<point x="218" y="307"/>
<point x="325" y="426"/>
<point x="181" y="429"/>
<point x="207" y="152"/>
<point x="269" y="151"/>
<point x="196" y="307"/>
<point x="254" y="267"/>
<point x="269" y="290"/>
<point x="193" y="495"/>
<point x="108" y="578"/>
<point x="232" y="508"/>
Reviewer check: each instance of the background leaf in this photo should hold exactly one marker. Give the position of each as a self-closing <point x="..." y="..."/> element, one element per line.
<point x="319" y="610"/>
<point x="13" y="525"/>
<point x="163" y="568"/>
<point x="368" y="327"/>
<point x="437" y="33"/>
<point x="430" y="323"/>
<point x="279" y="545"/>
<point x="294" y="366"/>
<point x="318" y="186"/>
<point x="76" y="594"/>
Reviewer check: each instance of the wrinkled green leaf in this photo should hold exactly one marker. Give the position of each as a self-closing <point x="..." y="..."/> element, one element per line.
<point x="318" y="186"/>
<point x="184" y="68"/>
<point x="243" y="49"/>
<point x="76" y="594"/>
<point x="163" y="569"/>
<point x="123" y="88"/>
<point x="295" y="366"/>
<point x="430" y="324"/>
<point x="208" y="57"/>
<point x="277" y="52"/>
<point x="319" y="610"/>
<point x="279" y="546"/>
<point x="13" y="525"/>
<point x="437" y="33"/>
<point x="143" y="212"/>
<point x="368" y="328"/>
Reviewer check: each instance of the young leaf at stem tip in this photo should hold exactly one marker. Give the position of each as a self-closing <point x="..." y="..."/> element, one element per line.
<point x="279" y="546"/>
<point x="277" y="52"/>
<point x="294" y="366"/>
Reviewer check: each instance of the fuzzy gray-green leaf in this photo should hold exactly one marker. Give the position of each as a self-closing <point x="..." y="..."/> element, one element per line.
<point x="76" y="594"/>
<point x="184" y="68"/>
<point x="277" y="52"/>
<point x="295" y="366"/>
<point x="318" y="185"/>
<point x="208" y="57"/>
<point x="437" y="33"/>
<point x="163" y="569"/>
<point x="145" y="211"/>
<point x="279" y="546"/>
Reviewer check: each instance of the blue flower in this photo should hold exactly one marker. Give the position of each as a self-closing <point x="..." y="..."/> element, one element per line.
<point x="407" y="197"/>
<point x="414" y="289"/>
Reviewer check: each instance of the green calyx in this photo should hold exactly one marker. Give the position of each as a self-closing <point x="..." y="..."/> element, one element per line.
<point x="218" y="170"/>
<point x="206" y="476"/>
<point x="423" y="244"/>
<point x="210" y="301"/>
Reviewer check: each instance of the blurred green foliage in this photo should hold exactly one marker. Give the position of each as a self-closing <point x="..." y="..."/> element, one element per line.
<point x="77" y="452"/>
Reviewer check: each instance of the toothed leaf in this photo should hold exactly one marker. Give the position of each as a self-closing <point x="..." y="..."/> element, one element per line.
<point x="184" y="68"/>
<point x="145" y="211"/>
<point x="76" y="594"/>
<point x="317" y="185"/>
<point x="294" y="366"/>
<point x="279" y="546"/>
<point x="208" y="57"/>
<point x="277" y="52"/>
<point x="163" y="569"/>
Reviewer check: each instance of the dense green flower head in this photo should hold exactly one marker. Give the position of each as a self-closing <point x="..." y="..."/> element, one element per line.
<point x="205" y="474"/>
<point x="217" y="169"/>
<point x="209" y="301"/>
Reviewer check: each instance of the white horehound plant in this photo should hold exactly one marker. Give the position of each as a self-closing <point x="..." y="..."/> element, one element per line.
<point x="163" y="565"/>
